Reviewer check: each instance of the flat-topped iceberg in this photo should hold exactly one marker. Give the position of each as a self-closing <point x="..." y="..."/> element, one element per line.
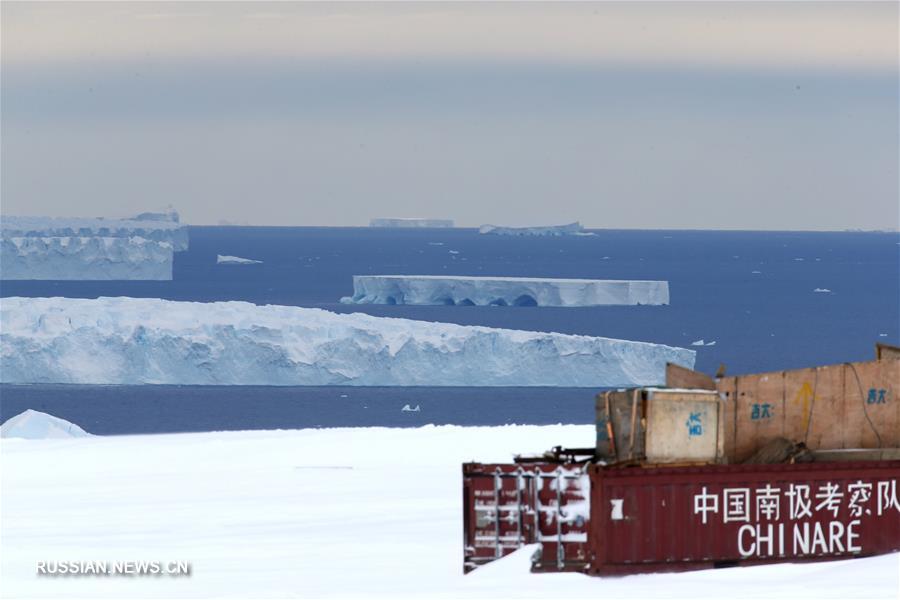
<point x="148" y="340"/>
<point x="159" y="231"/>
<point x="546" y="230"/>
<point x="224" y="259"/>
<point x="410" y="222"/>
<point x="503" y="291"/>
<point x="141" y="248"/>
<point x="36" y="425"/>
<point x="83" y="258"/>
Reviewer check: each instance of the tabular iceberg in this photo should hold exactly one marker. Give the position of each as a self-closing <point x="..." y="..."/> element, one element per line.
<point x="503" y="291"/>
<point x="410" y="222"/>
<point x="91" y="249"/>
<point x="148" y="340"/>
<point x="158" y="231"/>
<point x="80" y="258"/>
<point x="548" y="230"/>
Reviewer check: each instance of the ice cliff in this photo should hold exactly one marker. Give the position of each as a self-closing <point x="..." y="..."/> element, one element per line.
<point x="90" y="249"/>
<point x="548" y="230"/>
<point x="158" y="231"/>
<point x="78" y="258"/>
<point x="503" y="291"/>
<point x="410" y="222"/>
<point x="148" y="340"/>
<point x="35" y="425"/>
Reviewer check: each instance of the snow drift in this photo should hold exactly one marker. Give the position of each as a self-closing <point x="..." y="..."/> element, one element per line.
<point x="546" y="230"/>
<point x="503" y="291"/>
<point x="35" y="425"/>
<point x="148" y="340"/>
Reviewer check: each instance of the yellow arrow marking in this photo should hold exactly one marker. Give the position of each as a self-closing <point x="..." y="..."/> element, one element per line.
<point x="805" y="395"/>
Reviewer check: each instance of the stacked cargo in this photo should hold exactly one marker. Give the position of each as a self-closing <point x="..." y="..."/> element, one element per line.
<point x="790" y="465"/>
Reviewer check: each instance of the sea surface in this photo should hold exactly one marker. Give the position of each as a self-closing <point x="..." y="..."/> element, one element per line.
<point x="750" y="296"/>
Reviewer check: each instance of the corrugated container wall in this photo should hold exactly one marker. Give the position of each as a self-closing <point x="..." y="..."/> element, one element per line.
<point x="687" y="518"/>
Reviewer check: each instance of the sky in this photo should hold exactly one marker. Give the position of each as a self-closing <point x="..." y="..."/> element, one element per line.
<point x="726" y="115"/>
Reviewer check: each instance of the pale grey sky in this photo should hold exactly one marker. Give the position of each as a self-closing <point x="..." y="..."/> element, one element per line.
<point x="684" y="115"/>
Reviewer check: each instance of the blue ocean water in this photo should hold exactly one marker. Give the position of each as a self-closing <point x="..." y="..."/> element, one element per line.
<point x="752" y="293"/>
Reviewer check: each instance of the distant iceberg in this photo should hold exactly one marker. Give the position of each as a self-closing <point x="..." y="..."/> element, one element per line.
<point x="548" y="230"/>
<point x="159" y="231"/>
<point x="235" y="260"/>
<point x="90" y="249"/>
<point x="410" y="222"/>
<point x="85" y="258"/>
<point x="148" y="340"/>
<point x="166" y="214"/>
<point x="503" y="291"/>
<point x="35" y="425"/>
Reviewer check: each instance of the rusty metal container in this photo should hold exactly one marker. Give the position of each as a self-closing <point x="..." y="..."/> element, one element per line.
<point x="506" y="506"/>
<point x="670" y="519"/>
<point x="660" y="425"/>
<point x="680" y="518"/>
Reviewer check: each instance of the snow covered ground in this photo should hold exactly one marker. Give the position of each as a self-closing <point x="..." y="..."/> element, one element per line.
<point x="148" y="340"/>
<point x="504" y="291"/>
<point x="316" y="513"/>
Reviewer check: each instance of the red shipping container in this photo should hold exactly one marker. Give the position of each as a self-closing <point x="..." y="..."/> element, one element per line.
<point x="680" y="518"/>
<point x="509" y="505"/>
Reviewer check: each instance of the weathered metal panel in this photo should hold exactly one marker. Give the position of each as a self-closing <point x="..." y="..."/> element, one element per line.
<point x="680" y="518"/>
<point x="506" y="506"/>
<point x="851" y="405"/>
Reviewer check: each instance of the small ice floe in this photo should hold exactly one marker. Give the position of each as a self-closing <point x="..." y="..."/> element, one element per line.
<point x="755" y="272"/>
<point x="822" y="291"/>
<point x="882" y="335"/>
<point x="343" y="395"/>
<point x="408" y="408"/>
<point x="453" y="251"/>
<point x="605" y="258"/>
<point x="798" y="259"/>
<point x="35" y="425"/>
<point x="712" y="343"/>
<point x="224" y="259"/>
<point x="435" y="243"/>
<point x="703" y="343"/>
